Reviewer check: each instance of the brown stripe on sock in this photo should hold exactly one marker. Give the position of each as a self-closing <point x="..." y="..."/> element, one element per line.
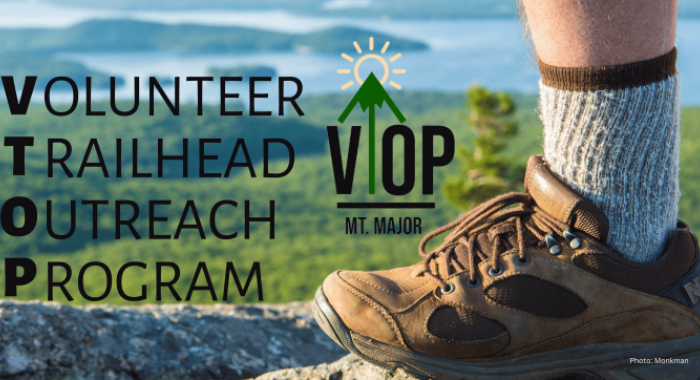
<point x="609" y="77"/>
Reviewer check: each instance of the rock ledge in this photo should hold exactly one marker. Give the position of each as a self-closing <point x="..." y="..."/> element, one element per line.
<point x="153" y="342"/>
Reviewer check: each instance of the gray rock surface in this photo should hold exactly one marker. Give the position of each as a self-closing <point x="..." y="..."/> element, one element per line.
<point x="348" y="368"/>
<point x="55" y="341"/>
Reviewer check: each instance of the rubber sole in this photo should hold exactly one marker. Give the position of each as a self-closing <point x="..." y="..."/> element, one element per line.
<point x="591" y="362"/>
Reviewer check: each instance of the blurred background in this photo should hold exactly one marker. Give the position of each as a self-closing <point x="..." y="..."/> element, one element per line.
<point x="447" y="47"/>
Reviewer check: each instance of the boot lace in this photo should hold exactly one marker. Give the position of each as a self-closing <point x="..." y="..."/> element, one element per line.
<point x="458" y="248"/>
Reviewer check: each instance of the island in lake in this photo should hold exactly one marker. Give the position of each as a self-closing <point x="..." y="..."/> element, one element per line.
<point x="130" y="35"/>
<point x="242" y="71"/>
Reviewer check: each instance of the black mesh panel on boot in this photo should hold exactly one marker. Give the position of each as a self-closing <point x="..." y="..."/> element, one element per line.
<point x="652" y="278"/>
<point x="460" y="324"/>
<point x="536" y="296"/>
<point x="591" y="220"/>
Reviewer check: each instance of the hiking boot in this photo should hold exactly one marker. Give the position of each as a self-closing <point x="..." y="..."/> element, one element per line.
<point x="524" y="287"/>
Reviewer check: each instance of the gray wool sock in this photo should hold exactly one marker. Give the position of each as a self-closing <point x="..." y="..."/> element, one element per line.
<point x="616" y="141"/>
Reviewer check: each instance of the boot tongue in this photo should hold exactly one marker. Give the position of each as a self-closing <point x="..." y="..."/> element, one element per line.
<point x="563" y="203"/>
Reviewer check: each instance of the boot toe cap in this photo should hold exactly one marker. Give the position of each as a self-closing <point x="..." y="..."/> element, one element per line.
<point x="359" y="312"/>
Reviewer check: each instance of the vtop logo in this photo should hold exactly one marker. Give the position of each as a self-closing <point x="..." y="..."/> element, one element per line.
<point x="370" y="95"/>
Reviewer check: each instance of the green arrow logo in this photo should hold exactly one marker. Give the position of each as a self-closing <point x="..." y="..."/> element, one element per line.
<point x="371" y="94"/>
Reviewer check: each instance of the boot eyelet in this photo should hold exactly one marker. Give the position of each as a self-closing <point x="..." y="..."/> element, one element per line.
<point x="521" y="262"/>
<point x="473" y="284"/>
<point x="492" y="273"/>
<point x="448" y="291"/>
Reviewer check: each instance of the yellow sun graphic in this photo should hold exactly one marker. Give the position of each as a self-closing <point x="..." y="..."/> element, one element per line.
<point x="371" y="56"/>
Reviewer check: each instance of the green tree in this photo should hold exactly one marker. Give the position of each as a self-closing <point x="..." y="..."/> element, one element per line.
<point x="486" y="171"/>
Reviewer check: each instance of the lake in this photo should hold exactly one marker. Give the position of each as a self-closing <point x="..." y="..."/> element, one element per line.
<point x="494" y="53"/>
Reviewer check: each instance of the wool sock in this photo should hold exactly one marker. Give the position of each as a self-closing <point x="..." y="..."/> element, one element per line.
<point x="612" y="134"/>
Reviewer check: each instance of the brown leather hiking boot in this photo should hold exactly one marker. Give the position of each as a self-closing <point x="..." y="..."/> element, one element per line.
<point x="525" y="292"/>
